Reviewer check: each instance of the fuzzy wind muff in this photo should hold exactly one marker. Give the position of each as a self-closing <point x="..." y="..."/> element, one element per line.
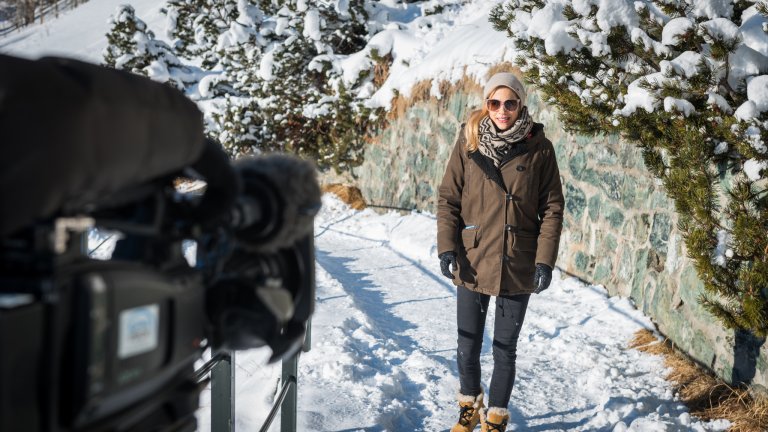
<point x="494" y="419"/>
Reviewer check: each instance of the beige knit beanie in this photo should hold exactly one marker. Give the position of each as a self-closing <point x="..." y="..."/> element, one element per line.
<point x="505" y="79"/>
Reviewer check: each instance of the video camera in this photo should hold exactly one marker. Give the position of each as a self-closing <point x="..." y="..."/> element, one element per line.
<point x="110" y="345"/>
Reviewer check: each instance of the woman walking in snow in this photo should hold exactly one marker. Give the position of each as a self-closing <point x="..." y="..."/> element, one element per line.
<point x="499" y="217"/>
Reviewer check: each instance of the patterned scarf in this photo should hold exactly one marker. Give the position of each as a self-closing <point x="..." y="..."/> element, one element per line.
<point x="497" y="145"/>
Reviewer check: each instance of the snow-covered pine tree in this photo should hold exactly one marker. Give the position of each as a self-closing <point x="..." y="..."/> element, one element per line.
<point x="194" y="27"/>
<point x="123" y="26"/>
<point x="286" y="75"/>
<point x="240" y="50"/>
<point x="688" y="82"/>
<point x="291" y="86"/>
<point x="133" y="47"/>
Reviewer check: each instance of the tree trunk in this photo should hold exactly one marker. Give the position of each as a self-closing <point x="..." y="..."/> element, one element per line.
<point x="28" y="9"/>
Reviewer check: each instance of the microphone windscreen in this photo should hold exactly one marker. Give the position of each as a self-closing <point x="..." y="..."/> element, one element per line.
<point x="286" y="189"/>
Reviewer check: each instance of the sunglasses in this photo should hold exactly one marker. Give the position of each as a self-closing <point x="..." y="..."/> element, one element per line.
<point x="509" y="104"/>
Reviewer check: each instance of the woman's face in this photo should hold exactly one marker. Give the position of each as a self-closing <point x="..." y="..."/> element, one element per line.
<point x="502" y="117"/>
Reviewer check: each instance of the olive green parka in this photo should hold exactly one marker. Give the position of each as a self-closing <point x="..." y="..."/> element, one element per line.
<point x="501" y="222"/>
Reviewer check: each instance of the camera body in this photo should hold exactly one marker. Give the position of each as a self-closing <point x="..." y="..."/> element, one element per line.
<point x="110" y="345"/>
<point x="96" y="341"/>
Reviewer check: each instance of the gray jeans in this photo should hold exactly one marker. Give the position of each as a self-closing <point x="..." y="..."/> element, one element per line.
<point x="471" y="310"/>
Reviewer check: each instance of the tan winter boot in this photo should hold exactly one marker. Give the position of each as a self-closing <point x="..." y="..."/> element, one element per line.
<point x="494" y="419"/>
<point x="469" y="414"/>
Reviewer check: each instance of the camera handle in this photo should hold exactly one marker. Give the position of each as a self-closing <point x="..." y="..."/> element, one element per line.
<point x="64" y="227"/>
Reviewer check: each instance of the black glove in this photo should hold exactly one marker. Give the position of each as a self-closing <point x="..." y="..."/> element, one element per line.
<point x="447" y="258"/>
<point x="542" y="278"/>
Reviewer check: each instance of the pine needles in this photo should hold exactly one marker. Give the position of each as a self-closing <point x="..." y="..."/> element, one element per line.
<point x="630" y="82"/>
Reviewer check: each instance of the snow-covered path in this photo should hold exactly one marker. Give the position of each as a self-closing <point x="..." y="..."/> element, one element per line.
<point x="383" y="346"/>
<point x="394" y="324"/>
<point x="384" y="335"/>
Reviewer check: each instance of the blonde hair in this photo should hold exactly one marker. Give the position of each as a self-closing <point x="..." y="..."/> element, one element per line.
<point x="472" y="128"/>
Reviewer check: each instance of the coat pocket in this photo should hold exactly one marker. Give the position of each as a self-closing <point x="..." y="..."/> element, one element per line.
<point x="468" y="257"/>
<point x="522" y="259"/>
<point x="469" y="237"/>
<point x="525" y="243"/>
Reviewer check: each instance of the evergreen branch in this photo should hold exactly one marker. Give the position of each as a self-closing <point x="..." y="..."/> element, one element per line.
<point x="677" y="148"/>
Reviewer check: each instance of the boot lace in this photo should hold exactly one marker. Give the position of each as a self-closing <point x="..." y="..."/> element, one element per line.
<point x="465" y="416"/>
<point x="498" y="427"/>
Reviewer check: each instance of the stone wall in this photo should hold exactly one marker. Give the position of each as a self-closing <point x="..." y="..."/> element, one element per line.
<point x="620" y="227"/>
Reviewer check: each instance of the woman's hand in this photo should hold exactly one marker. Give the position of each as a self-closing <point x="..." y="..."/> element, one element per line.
<point x="447" y="258"/>
<point x="543" y="278"/>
